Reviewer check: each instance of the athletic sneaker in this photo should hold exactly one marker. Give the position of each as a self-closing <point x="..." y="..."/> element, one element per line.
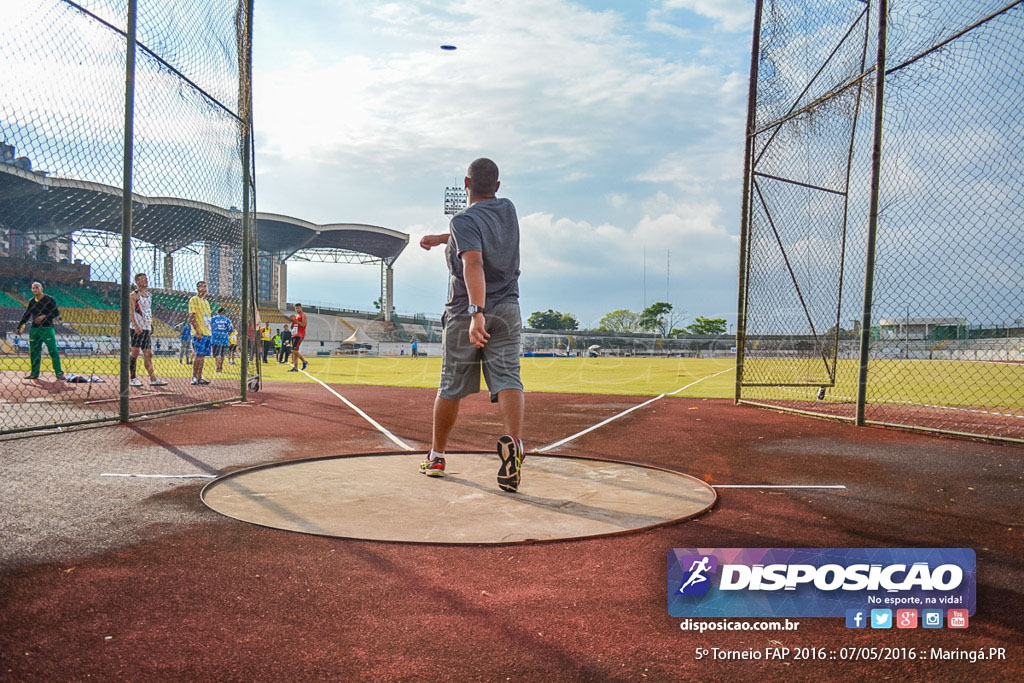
<point x="196" y="381"/>
<point x="511" y="453"/>
<point x="136" y="382"/>
<point x="60" y="376"/>
<point x="433" y="468"/>
<point x="31" y="376"/>
<point x="158" y="383"/>
<point x="294" y="370"/>
<point x="305" y="364"/>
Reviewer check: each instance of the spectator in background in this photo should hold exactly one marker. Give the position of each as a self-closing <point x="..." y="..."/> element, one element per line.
<point x="40" y="313"/>
<point x="267" y="342"/>
<point x="232" y="346"/>
<point x="286" y="346"/>
<point x="140" y="317"/>
<point x="415" y="347"/>
<point x="199" y="318"/>
<point x="221" y="329"/>
<point x="277" y="346"/>
<point x="299" y="321"/>
<point x="185" y="351"/>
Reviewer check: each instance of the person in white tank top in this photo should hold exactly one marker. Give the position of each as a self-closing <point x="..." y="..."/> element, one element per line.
<point x="140" y="316"/>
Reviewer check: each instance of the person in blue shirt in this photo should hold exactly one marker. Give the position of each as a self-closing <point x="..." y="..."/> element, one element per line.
<point x="220" y="331"/>
<point x="185" y="352"/>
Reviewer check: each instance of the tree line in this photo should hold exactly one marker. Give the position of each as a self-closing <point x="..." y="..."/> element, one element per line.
<point x="659" y="317"/>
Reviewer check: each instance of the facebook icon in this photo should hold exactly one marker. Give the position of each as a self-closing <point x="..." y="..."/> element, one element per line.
<point x="856" y="618"/>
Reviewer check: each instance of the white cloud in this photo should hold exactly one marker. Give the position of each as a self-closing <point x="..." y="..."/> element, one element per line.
<point x="728" y="15"/>
<point x="589" y="127"/>
<point x="546" y="83"/>
<point x="616" y="199"/>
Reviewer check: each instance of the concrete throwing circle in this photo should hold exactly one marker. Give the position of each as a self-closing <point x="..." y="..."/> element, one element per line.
<point x="384" y="497"/>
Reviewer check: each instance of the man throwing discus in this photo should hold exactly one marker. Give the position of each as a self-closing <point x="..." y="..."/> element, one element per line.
<point x="482" y="322"/>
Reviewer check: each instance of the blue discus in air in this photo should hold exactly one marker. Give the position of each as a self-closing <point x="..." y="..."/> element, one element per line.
<point x="448" y="47"/>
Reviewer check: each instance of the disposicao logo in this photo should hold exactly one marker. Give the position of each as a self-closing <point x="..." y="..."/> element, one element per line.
<point x="817" y="582"/>
<point x="697" y="581"/>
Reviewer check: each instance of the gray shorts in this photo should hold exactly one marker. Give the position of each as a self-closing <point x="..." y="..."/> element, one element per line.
<point x="461" y="362"/>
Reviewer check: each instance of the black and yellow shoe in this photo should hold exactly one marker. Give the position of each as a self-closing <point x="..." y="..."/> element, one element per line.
<point x="511" y="453"/>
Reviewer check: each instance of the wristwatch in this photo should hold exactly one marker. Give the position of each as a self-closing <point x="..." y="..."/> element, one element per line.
<point x="473" y="309"/>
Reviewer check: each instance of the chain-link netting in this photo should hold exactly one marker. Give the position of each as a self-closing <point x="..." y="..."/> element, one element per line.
<point x="946" y="341"/>
<point x="63" y="121"/>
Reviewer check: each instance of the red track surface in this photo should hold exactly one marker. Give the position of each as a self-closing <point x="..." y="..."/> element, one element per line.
<point x="224" y="600"/>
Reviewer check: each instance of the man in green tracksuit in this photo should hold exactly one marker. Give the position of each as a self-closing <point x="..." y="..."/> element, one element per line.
<point x="41" y="311"/>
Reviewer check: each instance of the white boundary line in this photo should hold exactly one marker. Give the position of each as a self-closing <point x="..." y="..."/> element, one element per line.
<point x="401" y="444"/>
<point x="567" y="439"/>
<point x="673" y="393"/>
<point x="163" y="476"/>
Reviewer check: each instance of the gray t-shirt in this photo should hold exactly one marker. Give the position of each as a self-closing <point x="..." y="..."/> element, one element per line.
<point x="492" y="228"/>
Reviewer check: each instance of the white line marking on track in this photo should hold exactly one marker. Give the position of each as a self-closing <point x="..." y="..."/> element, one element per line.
<point x="673" y="393"/>
<point x="777" y="486"/>
<point x="401" y="444"/>
<point x="163" y="476"/>
<point x="567" y="439"/>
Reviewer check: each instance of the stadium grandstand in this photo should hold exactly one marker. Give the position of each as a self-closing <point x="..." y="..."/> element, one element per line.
<point x="43" y="237"/>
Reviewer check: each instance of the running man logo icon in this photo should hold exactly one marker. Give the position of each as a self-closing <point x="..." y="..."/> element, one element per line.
<point x="696" y="581"/>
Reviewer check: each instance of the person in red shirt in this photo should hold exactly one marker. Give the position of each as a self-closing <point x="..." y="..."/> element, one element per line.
<point x="299" y="321"/>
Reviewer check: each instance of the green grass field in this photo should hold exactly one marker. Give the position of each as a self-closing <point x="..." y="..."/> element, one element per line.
<point x="950" y="383"/>
<point x="625" y="376"/>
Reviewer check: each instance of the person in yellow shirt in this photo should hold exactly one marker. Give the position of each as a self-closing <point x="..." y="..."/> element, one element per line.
<point x="199" y="315"/>
<point x="268" y="344"/>
<point x="233" y="348"/>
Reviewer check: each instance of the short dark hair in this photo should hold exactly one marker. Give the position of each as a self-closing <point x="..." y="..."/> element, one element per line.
<point x="200" y="282"/>
<point x="483" y="176"/>
<point x="138" y="275"/>
<point x="298" y="305"/>
<point x="220" y="310"/>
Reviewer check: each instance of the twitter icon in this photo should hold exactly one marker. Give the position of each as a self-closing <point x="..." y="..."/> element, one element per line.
<point x="881" y="618"/>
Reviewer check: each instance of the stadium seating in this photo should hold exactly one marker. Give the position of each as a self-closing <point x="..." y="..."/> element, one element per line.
<point x="272" y="316"/>
<point x="170" y="301"/>
<point x="378" y="329"/>
<point x="92" y="298"/>
<point x="6" y="300"/>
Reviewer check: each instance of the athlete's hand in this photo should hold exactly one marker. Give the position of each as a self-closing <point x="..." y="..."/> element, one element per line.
<point x="137" y="327"/>
<point x="39" y="319"/>
<point x="477" y="334"/>
<point x="430" y="241"/>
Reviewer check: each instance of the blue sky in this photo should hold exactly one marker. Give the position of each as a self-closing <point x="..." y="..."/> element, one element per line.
<point x="618" y="128"/>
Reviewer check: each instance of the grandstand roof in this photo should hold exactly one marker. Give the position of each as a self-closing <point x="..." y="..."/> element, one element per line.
<point x="286" y="236"/>
<point x="51" y="207"/>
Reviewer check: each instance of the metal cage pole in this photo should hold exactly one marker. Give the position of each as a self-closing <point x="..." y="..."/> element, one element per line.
<point x="126" y="206"/>
<point x="741" y="302"/>
<point x="245" y="99"/>
<point x="876" y="172"/>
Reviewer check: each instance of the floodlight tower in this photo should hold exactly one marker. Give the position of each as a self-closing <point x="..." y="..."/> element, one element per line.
<point x="454" y="200"/>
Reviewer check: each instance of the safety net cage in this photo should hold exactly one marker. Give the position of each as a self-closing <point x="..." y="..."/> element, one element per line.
<point x="126" y="181"/>
<point x="882" y="246"/>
